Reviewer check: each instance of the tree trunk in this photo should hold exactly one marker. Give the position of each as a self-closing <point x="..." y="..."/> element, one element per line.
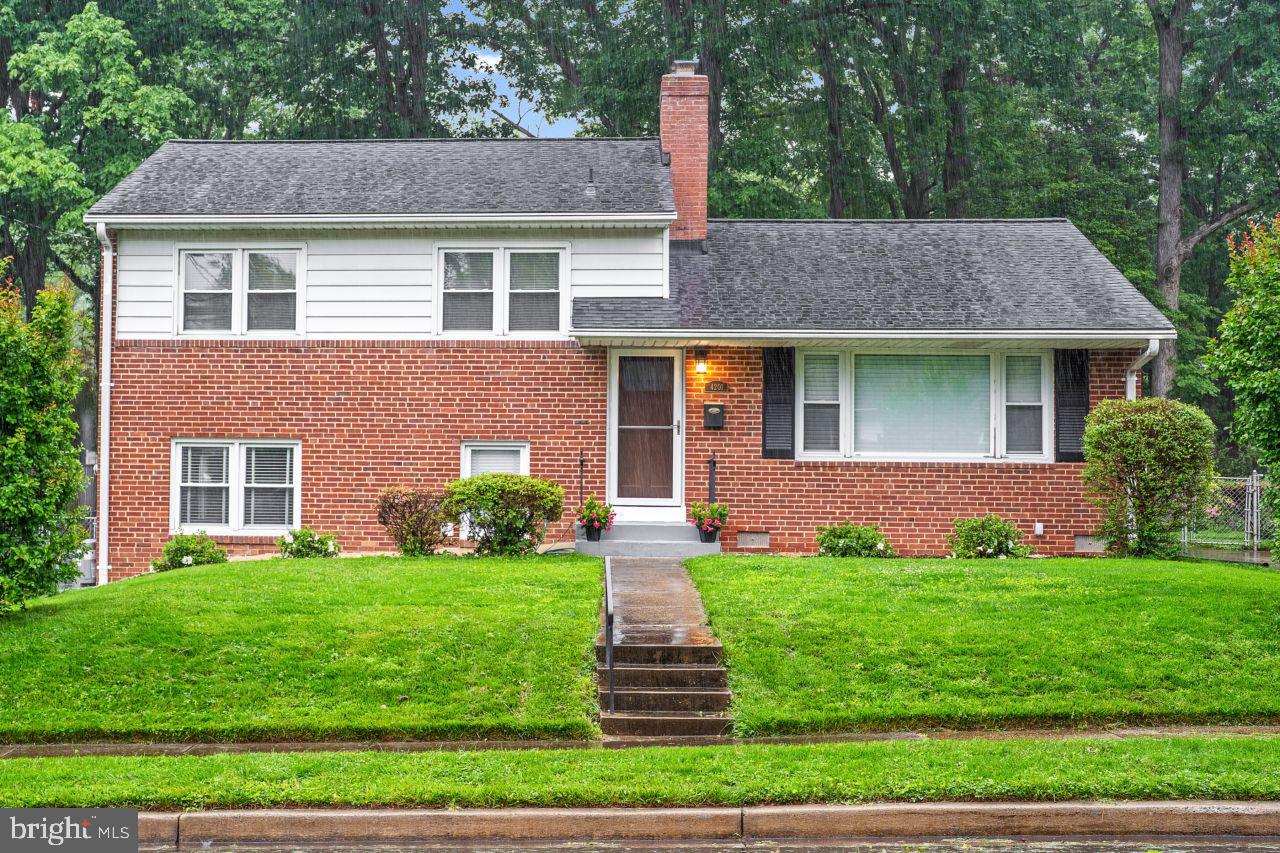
<point x="956" y="165"/>
<point x="1172" y="167"/>
<point x="836" y="169"/>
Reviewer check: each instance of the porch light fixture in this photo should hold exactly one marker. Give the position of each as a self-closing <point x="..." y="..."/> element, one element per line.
<point x="699" y="361"/>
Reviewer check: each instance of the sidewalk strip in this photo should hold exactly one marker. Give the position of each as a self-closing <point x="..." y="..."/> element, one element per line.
<point x="903" y="820"/>
<point x="56" y="750"/>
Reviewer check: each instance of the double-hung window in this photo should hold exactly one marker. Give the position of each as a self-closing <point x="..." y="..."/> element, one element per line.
<point x="922" y="406"/>
<point x="238" y="291"/>
<point x="235" y="486"/>
<point x="501" y="291"/>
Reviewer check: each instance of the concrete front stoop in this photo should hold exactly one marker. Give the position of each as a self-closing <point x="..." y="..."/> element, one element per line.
<point x="647" y="540"/>
<point x="876" y="820"/>
<point x="668" y="675"/>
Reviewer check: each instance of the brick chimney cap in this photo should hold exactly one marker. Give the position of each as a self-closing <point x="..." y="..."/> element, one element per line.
<point x="684" y="67"/>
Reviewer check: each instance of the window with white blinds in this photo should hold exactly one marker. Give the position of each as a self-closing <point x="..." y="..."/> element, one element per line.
<point x="239" y="291"/>
<point x="501" y="290"/>
<point x="495" y="457"/>
<point x="922" y="406"/>
<point x="235" y="486"/>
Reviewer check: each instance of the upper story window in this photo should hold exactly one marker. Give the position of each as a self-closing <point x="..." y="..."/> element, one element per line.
<point x="923" y="406"/>
<point x="502" y="291"/>
<point x="238" y="291"/>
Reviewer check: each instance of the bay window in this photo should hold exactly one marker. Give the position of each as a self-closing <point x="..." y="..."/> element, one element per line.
<point x="221" y="486"/>
<point x="922" y="406"/>
<point x="501" y="290"/>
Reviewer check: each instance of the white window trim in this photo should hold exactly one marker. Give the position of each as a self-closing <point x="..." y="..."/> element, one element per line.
<point x="997" y="414"/>
<point x="470" y="445"/>
<point x="1046" y="403"/>
<point x="235" y="465"/>
<point x="501" y="251"/>
<point x="240" y="288"/>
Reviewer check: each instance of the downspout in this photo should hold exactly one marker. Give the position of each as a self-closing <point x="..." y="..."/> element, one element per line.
<point x="104" y="402"/>
<point x="1131" y="373"/>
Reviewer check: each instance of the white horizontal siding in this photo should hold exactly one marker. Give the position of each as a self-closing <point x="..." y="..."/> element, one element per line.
<point x="377" y="283"/>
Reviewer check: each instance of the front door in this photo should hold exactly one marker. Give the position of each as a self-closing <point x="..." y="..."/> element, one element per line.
<point x="646" y="403"/>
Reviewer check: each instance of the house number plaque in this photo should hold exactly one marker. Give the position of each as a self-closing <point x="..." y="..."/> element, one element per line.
<point x="716" y="387"/>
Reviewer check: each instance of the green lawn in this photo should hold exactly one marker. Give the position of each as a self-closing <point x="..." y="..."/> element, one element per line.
<point x="1168" y="768"/>
<point x="820" y="645"/>
<point x="443" y="647"/>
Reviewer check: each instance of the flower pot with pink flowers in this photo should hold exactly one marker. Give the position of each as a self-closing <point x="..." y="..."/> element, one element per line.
<point x="708" y="518"/>
<point x="596" y="517"/>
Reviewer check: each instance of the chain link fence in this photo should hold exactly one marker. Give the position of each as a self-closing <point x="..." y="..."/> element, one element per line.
<point x="1236" y="517"/>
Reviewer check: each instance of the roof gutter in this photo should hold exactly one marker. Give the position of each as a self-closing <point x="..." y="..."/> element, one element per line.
<point x="341" y="219"/>
<point x="104" y="404"/>
<point x="1155" y="335"/>
<point x="1131" y="372"/>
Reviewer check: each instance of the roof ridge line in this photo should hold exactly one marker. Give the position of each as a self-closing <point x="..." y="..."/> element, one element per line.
<point x="412" y="140"/>
<point x="899" y="221"/>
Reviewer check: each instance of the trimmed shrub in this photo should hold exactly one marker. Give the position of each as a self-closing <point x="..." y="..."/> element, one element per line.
<point x="987" y="537"/>
<point x="503" y="513"/>
<point x="189" y="549"/>
<point x="1148" y="467"/>
<point x="414" y="519"/>
<point x="305" y="542"/>
<point x="853" y="540"/>
<point x="42" y="531"/>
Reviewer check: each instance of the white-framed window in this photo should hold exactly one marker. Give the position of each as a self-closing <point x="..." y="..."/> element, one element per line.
<point x="226" y="486"/>
<point x="239" y="290"/>
<point x="505" y="290"/>
<point x="489" y="457"/>
<point x="923" y="405"/>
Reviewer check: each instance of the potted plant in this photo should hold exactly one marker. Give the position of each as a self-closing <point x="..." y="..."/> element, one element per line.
<point x="596" y="517"/>
<point x="708" y="518"/>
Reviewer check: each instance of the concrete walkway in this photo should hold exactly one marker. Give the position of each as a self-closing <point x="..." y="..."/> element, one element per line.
<point x="656" y="603"/>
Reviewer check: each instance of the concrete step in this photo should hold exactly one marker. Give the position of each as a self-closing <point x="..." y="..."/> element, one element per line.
<point x="648" y="540"/>
<point x="672" y="700"/>
<point x="627" y="654"/>
<point x="642" y="724"/>
<point x="641" y="675"/>
<point x="682" y="549"/>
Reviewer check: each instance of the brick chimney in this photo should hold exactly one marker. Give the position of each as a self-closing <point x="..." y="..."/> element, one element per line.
<point x="683" y="104"/>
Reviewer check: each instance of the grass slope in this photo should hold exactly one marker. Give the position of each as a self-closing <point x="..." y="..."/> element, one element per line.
<point x="310" y="649"/>
<point x="1170" y="768"/>
<point x="821" y="645"/>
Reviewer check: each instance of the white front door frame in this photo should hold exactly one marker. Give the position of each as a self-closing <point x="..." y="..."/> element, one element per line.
<point x="648" y="509"/>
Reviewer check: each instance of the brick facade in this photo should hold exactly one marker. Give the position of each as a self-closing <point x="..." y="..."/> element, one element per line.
<point x="370" y="414"/>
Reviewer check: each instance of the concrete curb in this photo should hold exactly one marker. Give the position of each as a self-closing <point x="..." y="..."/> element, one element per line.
<point x="907" y="820"/>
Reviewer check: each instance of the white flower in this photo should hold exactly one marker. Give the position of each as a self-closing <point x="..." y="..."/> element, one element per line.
<point x="188" y="560"/>
<point x="288" y="537"/>
<point x="1003" y="557"/>
<point x="1011" y="545"/>
<point x="879" y="546"/>
<point x="332" y="547"/>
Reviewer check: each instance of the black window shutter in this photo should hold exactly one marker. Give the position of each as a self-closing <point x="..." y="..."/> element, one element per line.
<point x="1070" y="403"/>
<point x="778" y="440"/>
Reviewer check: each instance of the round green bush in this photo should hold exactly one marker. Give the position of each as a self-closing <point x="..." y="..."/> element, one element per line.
<point x="853" y="540"/>
<point x="1148" y="467"/>
<point x="989" y="537"/>
<point x="307" y="543"/>
<point x="189" y="549"/>
<point x="503" y="513"/>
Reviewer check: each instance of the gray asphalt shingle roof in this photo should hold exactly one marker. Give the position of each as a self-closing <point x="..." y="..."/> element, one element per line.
<point x="408" y="176"/>
<point x="862" y="275"/>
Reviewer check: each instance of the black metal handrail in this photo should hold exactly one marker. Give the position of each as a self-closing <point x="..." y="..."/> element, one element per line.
<point x="608" y="630"/>
<point x="582" y="474"/>
<point x="711" y="479"/>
